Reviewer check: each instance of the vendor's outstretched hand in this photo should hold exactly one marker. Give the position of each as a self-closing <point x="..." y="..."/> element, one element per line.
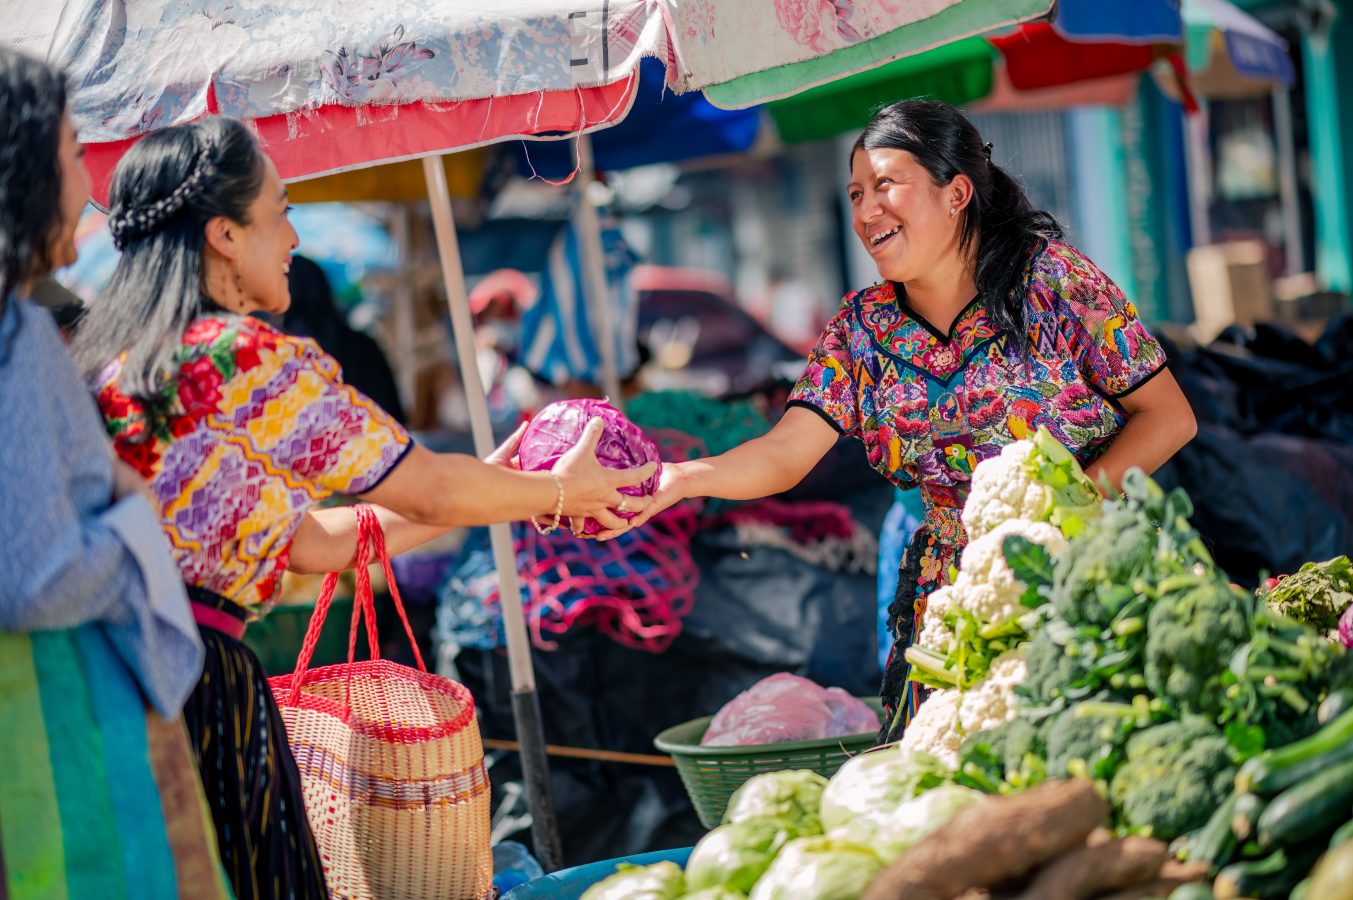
<point x="670" y="492"/>
<point x="591" y="489"/>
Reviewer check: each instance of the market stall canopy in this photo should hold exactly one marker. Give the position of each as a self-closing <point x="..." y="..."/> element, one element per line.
<point x="1087" y="39"/>
<point x="331" y="86"/>
<point x="1231" y="54"/>
<point x="957" y="73"/>
<point x="1090" y="51"/>
<point x="838" y="38"/>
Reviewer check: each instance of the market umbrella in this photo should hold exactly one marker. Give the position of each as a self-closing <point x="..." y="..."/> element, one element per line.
<point x="739" y="62"/>
<point x="1081" y="54"/>
<point x="329" y="87"/>
<point x="1090" y="39"/>
<point x="1230" y="55"/>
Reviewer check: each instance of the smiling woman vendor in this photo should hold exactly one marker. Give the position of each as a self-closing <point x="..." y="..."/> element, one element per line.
<point x="984" y="327"/>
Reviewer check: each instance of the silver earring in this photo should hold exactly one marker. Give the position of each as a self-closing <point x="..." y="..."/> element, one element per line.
<point x="952" y="211"/>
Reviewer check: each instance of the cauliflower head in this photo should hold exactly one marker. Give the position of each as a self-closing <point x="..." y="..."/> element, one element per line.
<point x="992" y="701"/>
<point x="1004" y="488"/>
<point x="935" y="729"/>
<point x="935" y="634"/>
<point x="986" y="585"/>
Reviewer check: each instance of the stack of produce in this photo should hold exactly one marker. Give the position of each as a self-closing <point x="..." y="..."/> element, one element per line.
<point x="1148" y="728"/>
<point x="969" y="647"/>
<point x="794" y="835"/>
<point x="1181" y="696"/>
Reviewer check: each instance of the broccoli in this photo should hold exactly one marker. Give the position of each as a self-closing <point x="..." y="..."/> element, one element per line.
<point x="1175" y="775"/>
<point x="1055" y="673"/>
<point x="1095" y="577"/>
<point x="998" y="754"/>
<point x="1087" y="739"/>
<point x="1193" y="631"/>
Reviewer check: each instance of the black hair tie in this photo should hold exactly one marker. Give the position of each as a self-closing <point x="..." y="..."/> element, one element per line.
<point x="986" y="148"/>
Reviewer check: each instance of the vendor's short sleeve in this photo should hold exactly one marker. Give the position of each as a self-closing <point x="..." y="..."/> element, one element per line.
<point x="1115" y="352"/>
<point x="312" y="425"/>
<point x="827" y="385"/>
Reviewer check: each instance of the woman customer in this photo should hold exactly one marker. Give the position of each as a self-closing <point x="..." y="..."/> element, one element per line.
<point x="241" y="431"/>
<point x="984" y="328"/>
<point x="100" y="795"/>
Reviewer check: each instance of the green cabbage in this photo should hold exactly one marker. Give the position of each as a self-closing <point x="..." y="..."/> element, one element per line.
<point x="736" y="855"/>
<point x="889" y="828"/>
<point x="793" y="796"/>
<point x="818" y="868"/>
<point x="872" y="781"/>
<point x="660" y="881"/>
<point x="716" y="893"/>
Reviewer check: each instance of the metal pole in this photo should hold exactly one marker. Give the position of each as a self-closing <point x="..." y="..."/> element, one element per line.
<point x="1287" y="180"/>
<point x="525" y="702"/>
<point x="1199" y="175"/>
<point x="598" y="298"/>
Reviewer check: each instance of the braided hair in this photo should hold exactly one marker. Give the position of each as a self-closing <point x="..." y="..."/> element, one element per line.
<point x="999" y="222"/>
<point x="33" y="96"/>
<point x="165" y="190"/>
<point x="127" y="223"/>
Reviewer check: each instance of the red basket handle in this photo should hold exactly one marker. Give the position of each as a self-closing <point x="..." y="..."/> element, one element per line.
<point x="369" y="536"/>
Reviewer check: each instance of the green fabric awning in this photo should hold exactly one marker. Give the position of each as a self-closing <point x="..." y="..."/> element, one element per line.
<point x="957" y="73"/>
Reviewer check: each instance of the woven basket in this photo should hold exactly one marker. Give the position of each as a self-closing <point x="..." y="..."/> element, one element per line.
<point x="712" y="774"/>
<point x="391" y="762"/>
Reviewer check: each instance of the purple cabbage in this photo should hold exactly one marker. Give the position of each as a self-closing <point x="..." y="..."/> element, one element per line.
<point x="1346" y="628"/>
<point x="557" y="428"/>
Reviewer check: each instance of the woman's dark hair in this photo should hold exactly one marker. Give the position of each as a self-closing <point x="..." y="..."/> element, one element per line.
<point x="33" y="97"/>
<point x="999" y="223"/>
<point x="165" y="190"/>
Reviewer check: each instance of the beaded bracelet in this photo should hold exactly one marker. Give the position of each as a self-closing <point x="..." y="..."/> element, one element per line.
<point x="558" y="509"/>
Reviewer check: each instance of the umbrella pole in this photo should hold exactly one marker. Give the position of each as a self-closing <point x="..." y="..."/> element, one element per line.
<point x="1199" y="162"/>
<point x="1287" y="180"/>
<point x="599" y="306"/>
<point x="525" y="702"/>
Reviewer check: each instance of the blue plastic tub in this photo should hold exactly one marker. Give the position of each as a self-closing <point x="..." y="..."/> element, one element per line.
<point x="569" y="884"/>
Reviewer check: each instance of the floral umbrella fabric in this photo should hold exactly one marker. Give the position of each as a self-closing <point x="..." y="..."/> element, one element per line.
<point x="331" y="86"/>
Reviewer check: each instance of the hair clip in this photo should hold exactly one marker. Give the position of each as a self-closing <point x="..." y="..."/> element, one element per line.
<point x="986" y="148"/>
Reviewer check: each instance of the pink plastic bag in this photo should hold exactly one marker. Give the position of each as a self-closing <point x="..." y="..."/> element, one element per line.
<point x="785" y="707"/>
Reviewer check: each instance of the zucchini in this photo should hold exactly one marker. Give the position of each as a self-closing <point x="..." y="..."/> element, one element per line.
<point x="1214" y="843"/>
<point x="1333" y="878"/>
<point x="1343" y="834"/>
<point x="1273" y="876"/>
<point x="1276" y="770"/>
<point x="1310" y="809"/>
<point x="1245" y="815"/>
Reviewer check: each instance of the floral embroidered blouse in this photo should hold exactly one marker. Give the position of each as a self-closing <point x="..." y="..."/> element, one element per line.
<point x="257" y="428"/>
<point x="930" y="406"/>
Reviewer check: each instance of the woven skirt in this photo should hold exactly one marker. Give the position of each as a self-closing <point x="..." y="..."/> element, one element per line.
<point x="253" y="787"/>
